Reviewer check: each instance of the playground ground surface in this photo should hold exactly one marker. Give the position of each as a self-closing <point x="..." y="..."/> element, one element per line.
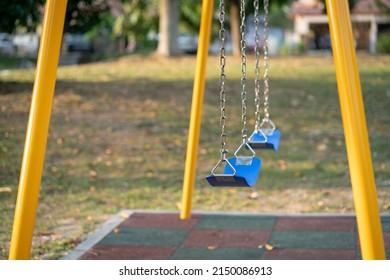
<point x="161" y="235"/>
<point x="118" y="136"/>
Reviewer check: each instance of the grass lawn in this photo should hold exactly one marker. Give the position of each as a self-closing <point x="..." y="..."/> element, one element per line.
<point x="118" y="139"/>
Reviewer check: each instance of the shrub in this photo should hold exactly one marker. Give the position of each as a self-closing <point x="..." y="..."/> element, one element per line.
<point x="383" y="43"/>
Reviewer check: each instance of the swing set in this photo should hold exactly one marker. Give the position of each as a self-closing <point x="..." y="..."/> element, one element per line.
<point x="243" y="169"/>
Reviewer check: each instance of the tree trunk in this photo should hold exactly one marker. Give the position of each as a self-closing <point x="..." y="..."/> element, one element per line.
<point x="235" y="27"/>
<point x="168" y="28"/>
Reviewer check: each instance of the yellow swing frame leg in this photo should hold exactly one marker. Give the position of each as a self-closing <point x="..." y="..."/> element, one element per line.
<point x="37" y="130"/>
<point x="355" y="130"/>
<point x="196" y="108"/>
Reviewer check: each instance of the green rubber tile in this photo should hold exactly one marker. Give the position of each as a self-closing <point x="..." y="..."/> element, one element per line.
<point x="313" y="239"/>
<point x="232" y="253"/>
<point x="385" y="223"/>
<point x="145" y="237"/>
<point x="236" y="222"/>
<point x="386" y="240"/>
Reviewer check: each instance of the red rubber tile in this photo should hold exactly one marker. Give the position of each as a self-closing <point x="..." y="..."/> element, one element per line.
<point x="106" y="252"/>
<point x="310" y="254"/>
<point x="227" y="238"/>
<point x="170" y="221"/>
<point x="386" y="239"/>
<point x="315" y="223"/>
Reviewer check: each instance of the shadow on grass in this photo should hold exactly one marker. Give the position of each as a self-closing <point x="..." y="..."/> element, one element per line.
<point x="121" y="143"/>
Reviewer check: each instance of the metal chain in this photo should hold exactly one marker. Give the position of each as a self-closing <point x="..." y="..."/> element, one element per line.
<point x="257" y="67"/>
<point x="266" y="63"/>
<point x="222" y="94"/>
<point x="243" y="70"/>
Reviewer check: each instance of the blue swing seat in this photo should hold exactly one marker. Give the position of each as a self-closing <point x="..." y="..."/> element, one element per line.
<point x="245" y="173"/>
<point x="257" y="140"/>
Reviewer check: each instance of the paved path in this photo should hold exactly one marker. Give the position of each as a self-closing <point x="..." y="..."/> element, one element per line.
<point x="222" y="236"/>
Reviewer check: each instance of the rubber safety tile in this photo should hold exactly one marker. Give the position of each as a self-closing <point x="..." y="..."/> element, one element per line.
<point x="386" y="240"/>
<point x="359" y="255"/>
<point x="145" y="237"/>
<point x="107" y="252"/>
<point x="226" y="238"/>
<point x="385" y="223"/>
<point x="310" y="254"/>
<point x="236" y="222"/>
<point x="313" y="239"/>
<point x="231" y="253"/>
<point x="150" y="220"/>
<point x="316" y="223"/>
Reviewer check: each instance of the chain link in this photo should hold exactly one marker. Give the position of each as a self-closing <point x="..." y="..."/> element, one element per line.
<point x="266" y="63"/>
<point x="222" y="94"/>
<point x="243" y="70"/>
<point x="257" y="66"/>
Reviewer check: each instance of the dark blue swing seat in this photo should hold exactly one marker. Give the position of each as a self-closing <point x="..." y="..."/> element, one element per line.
<point x="260" y="140"/>
<point x="238" y="172"/>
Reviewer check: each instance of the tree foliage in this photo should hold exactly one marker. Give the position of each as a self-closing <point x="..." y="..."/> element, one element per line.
<point x="15" y="14"/>
<point x="190" y="11"/>
<point x="83" y="15"/>
<point x="137" y="19"/>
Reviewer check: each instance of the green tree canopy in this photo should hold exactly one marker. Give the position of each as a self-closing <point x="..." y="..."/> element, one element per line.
<point x="15" y="14"/>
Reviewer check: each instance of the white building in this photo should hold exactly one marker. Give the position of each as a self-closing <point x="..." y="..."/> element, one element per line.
<point x="311" y="23"/>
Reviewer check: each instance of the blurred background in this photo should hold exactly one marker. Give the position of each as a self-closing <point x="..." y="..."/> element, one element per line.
<point x="120" y="115"/>
<point x="99" y="29"/>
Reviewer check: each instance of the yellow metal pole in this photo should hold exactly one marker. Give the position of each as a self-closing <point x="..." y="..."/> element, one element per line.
<point x="37" y="130"/>
<point x="355" y="130"/>
<point x="196" y="108"/>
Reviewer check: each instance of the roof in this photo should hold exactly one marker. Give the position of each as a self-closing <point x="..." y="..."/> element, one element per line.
<point x="370" y="7"/>
<point x="362" y="7"/>
<point x="307" y="8"/>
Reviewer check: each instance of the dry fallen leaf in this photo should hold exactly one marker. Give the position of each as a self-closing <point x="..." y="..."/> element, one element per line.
<point x="386" y="207"/>
<point x="124" y="216"/>
<point x="254" y="195"/>
<point x="321" y="147"/>
<point x="212" y="247"/>
<point x="92" y="173"/>
<point x="5" y="189"/>
<point x="269" y="247"/>
<point x="282" y="164"/>
<point x="232" y="190"/>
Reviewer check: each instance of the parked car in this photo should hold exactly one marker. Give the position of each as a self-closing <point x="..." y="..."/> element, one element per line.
<point x="187" y="43"/>
<point x="27" y="44"/>
<point x="215" y="46"/>
<point x="76" y="43"/>
<point x="275" y="36"/>
<point x="6" y="45"/>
